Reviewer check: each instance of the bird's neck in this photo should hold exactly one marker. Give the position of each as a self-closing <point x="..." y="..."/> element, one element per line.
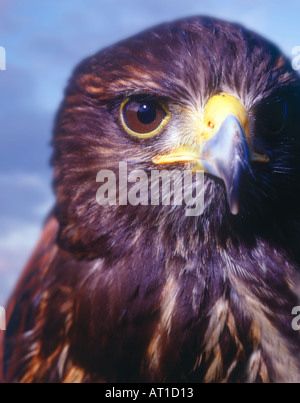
<point x="194" y="305"/>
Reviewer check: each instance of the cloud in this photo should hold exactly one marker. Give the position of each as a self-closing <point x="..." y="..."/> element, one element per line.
<point x="15" y="249"/>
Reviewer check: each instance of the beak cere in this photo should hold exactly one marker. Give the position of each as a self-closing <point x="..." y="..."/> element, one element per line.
<point x="224" y="146"/>
<point x="226" y="155"/>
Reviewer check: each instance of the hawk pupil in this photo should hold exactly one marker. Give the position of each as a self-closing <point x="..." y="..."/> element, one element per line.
<point x="146" y="113"/>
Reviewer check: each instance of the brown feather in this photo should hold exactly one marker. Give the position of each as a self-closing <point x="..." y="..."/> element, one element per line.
<point x="145" y="293"/>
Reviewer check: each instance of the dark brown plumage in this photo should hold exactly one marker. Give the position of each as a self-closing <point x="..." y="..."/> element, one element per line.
<point x="145" y="293"/>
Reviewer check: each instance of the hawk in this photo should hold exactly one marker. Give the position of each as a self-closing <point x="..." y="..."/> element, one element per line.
<point x="147" y="293"/>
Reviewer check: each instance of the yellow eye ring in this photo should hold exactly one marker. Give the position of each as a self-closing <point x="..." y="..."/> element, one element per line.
<point x="143" y="118"/>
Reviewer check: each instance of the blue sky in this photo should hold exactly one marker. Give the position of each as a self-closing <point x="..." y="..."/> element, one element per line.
<point x="44" y="40"/>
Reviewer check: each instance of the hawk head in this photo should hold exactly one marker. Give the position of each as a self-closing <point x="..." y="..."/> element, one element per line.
<point x="197" y="94"/>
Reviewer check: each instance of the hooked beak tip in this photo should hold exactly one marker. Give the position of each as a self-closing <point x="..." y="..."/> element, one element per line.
<point x="229" y="159"/>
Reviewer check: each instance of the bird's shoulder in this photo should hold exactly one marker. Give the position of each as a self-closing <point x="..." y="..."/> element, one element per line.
<point x="24" y="307"/>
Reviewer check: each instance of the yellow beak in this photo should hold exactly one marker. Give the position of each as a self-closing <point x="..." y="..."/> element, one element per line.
<point x="224" y="147"/>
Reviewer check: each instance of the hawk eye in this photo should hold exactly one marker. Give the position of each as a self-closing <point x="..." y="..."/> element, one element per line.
<point x="143" y="118"/>
<point x="273" y="115"/>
